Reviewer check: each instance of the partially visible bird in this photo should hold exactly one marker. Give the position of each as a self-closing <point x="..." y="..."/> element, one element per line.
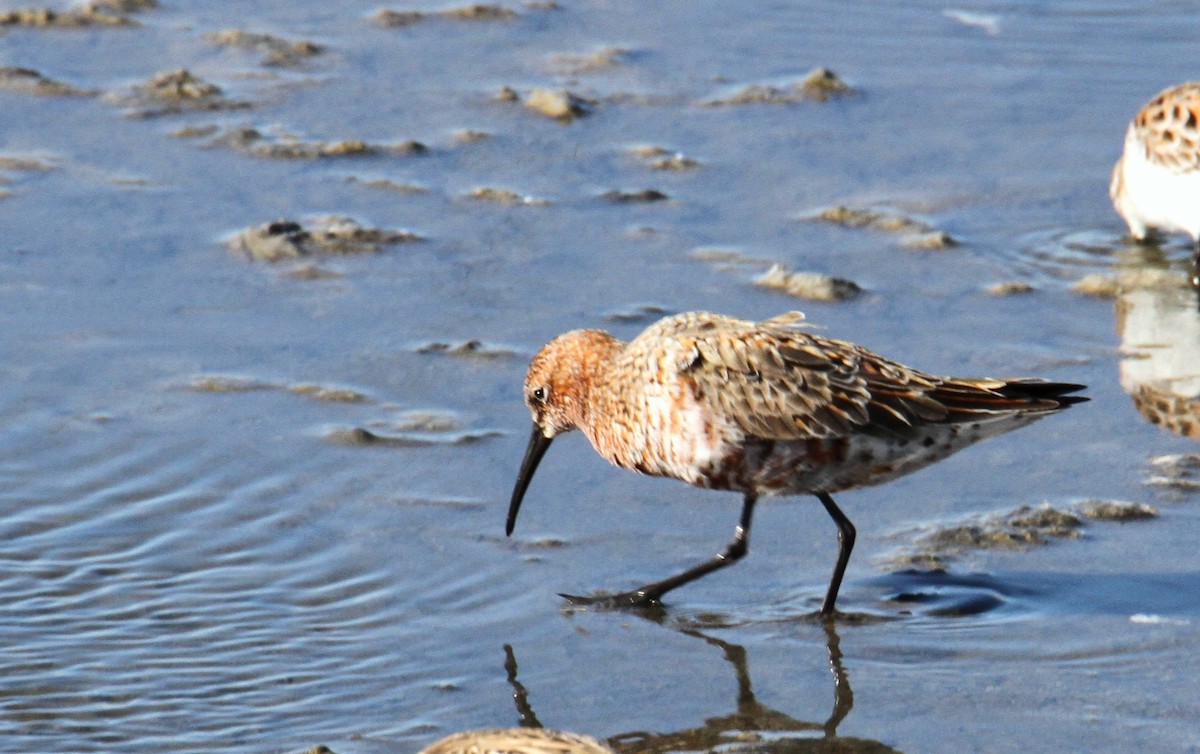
<point x="1155" y="184"/>
<point x="761" y="408"/>
<point x="516" y="741"/>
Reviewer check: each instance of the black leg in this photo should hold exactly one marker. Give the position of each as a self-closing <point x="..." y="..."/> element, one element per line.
<point x="650" y="594"/>
<point x="846" y="536"/>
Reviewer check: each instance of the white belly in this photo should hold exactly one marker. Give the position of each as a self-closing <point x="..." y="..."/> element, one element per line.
<point x="1154" y="197"/>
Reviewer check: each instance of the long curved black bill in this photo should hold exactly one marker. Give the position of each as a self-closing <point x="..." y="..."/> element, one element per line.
<point x="538" y="443"/>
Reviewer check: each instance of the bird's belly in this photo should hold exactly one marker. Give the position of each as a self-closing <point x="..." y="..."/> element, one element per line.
<point x="1161" y="198"/>
<point x="831" y="465"/>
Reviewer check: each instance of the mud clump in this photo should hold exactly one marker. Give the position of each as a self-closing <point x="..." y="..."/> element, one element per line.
<point x="659" y="158"/>
<point x="479" y="12"/>
<point x="181" y="85"/>
<point x="25" y="164"/>
<point x="937" y="239"/>
<point x="504" y="196"/>
<point x="274" y="241"/>
<point x="222" y="383"/>
<point x="413" y="429"/>
<point x="476" y="12"/>
<point x="363" y="436"/>
<point x="251" y="141"/>
<point x="1097" y="285"/>
<point x="726" y="256"/>
<point x="1178" y="471"/>
<point x="95" y="13"/>
<point x="174" y="92"/>
<point x="471" y="348"/>
<point x="387" y="184"/>
<point x="1009" y="288"/>
<point x="643" y="196"/>
<point x="675" y="161"/>
<point x="1017" y="529"/>
<point x="559" y="104"/>
<point x="347" y="147"/>
<point x="644" y="313"/>
<point x="892" y="222"/>
<point x="119" y="6"/>
<point x="470" y="136"/>
<point x="1045" y="520"/>
<point x="29" y="81"/>
<point x="719" y="255"/>
<point x="648" y="151"/>
<point x="578" y="65"/>
<point x="196" y="132"/>
<point x="820" y="85"/>
<point x="500" y="196"/>
<point x="398" y="18"/>
<point x="1116" y="510"/>
<point x="331" y="235"/>
<point x="312" y="272"/>
<point x="328" y="393"/>
<point x="278" y="51"/>
<point x="424" y="421"/>
<point x="809" y="285"/>
<point x="917" y="233"/>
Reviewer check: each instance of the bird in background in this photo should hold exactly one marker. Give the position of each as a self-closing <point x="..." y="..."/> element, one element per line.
<point x="761" y="408"/>
<point x="1155" y="184"/>
<point x="516" y="741"/>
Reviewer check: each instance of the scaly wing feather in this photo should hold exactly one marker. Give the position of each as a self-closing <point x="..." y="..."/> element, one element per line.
<point x="1169" y="127"/>
<point x="779" y="382"/>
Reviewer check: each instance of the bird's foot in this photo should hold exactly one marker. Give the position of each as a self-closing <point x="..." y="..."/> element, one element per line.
<point x="637" y="599"/>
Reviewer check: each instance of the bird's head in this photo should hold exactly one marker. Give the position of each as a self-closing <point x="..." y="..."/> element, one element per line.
<point x="558" y="387"/>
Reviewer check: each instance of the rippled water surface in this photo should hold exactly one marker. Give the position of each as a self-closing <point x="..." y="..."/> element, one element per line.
<point x="258" y="506"/>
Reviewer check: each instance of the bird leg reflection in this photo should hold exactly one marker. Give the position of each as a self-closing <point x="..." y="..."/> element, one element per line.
<point x="749" y="715"/>
<point x="528" y="718"/>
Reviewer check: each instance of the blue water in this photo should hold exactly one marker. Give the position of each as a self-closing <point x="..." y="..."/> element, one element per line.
<point x="191" y="570"/>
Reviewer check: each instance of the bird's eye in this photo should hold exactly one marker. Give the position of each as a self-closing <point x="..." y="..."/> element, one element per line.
<point x="539" y="394"/>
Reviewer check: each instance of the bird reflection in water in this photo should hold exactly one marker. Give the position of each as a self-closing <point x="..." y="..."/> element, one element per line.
<point x="1159" y="326"/>
<point x="751" y="727"/>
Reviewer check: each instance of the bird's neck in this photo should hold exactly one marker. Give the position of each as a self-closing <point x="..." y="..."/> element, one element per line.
<point x="592" y="365"/>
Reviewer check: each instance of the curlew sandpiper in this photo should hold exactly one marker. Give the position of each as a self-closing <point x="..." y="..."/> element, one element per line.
<point x="761" y="408"/>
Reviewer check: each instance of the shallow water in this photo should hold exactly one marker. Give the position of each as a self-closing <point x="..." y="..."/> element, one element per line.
<point x="198" y="554"/>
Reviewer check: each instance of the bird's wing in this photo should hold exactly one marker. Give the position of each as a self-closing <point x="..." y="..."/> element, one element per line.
<point x="778" y="382"/>
<point x="1169" y="126"/>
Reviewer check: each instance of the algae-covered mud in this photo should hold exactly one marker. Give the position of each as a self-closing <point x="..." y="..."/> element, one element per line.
<point x="271" y="275"/>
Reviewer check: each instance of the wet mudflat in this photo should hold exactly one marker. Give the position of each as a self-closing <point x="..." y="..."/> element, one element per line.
<point x="270" y="279"/>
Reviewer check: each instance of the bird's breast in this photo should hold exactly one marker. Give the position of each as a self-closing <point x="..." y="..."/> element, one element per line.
<point x="666" y="429"/>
